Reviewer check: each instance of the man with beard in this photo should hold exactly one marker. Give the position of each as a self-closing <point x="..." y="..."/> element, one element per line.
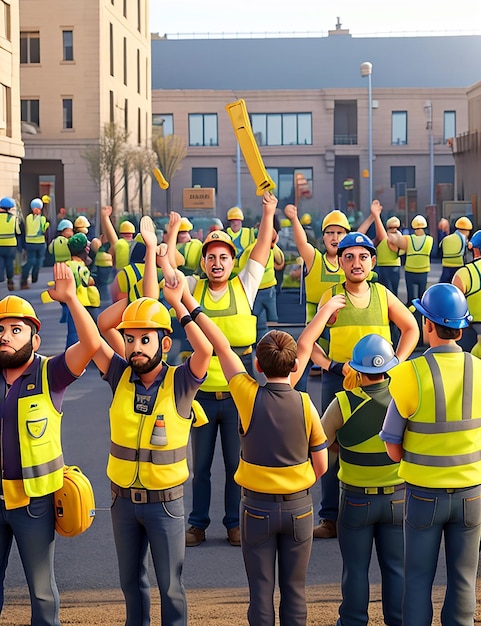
<point x="31" y="391"/>
<point x="150" y="421"/>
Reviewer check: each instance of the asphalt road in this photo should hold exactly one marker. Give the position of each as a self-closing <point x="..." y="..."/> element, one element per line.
<point x="88" y="562"/>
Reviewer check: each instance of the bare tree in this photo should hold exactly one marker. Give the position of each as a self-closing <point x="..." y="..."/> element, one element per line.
<point x="143" y="162"/>
<point x="171" y="151"/>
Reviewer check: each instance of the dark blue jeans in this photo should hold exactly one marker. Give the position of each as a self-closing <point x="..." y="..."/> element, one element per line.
<point x="7" y="259"/>
<point x="35" y="258"/>
<point x="33" y="527"/>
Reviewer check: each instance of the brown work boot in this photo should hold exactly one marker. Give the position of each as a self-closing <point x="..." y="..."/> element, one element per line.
<point x="233" y="536"/>
<point x="10" y="285"/>
<point x="326" y="530"/>
<point x="194" y="536"/>
<point x="24" y="286"/>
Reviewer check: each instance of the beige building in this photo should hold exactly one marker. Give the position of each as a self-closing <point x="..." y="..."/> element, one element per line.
<point x="467" y="154"/>
<point x="11" y="146"/>
<point x="82" y="65"/>
<point x="309" y="109"/>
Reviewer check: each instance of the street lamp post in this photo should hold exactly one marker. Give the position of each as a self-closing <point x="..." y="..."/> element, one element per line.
<point x="366" y="70"/>
<point x="428" y="111"/>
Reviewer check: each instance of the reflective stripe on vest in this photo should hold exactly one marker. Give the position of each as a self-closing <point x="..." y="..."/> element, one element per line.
<point x="8" y="224"/>
<point x="417" y="253"/>
<point x="157" y="457"/>
<point x="453" y="247"/>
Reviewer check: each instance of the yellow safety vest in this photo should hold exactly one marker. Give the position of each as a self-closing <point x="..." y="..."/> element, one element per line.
<point x="417" y="253"/>
<point x="243" y="238"/>
<point x="8" y="229"/>
<point x="320" y="278"/>
<point x="470" y="275"/>
<point x="35" y="227"/>
<point x="58" y="247"/>
<point x="352" y="323"/>
<point x="385" y="257"/>
<point x="442" y="440"/>
<point x="39" y="436"/>
<point x="363" y="460"/>
<point x="192" y="253"/>
<point x="122" y="253"/>
<point x="232" y="314"/>
<point x="453" y="247"/>
<point x="132" y="457"/>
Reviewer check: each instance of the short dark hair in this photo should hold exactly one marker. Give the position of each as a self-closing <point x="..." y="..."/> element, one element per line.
<point x="276" y="353"/>
<point x="444" y="332"/>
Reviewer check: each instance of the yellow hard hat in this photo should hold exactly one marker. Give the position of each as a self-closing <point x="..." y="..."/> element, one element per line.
<point x="14" y="306"/>
<point x="285" y="223"/>
<point x="146" y="313"/>
<point x="81" y="223"/>
<point x="218" y="236"/>
<point x="235" y="213"/>
<point x="419" y="222"/>
<point x="336" y="218"/>
<point x="306" y="219"/>
<point x="126" y="227"/>
<point x="463" y="223"/>
<point x="393" y="222"/>
<point x="185" y="225"/>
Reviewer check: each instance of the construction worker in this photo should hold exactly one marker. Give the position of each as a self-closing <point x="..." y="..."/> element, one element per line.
<point x="58" y="247"/>
<point x="81" y="225"/>
<point x="32" y="388"/>
<point x="265" y="304"/>
<point x="453" y="249"/>
<point x="283" y="454"/>
<point x="228" y="301"/>
<point x="371" y="491"/>
<point x="468" y="280"/>
<point x="418" y="248"/>
<point x="370" y="308"/>
<point x="240" y="235"/>
<point x="36" y="226"/>
<point x="150" y="421"/>
<point x="432" y="427"/>
<point x="189" y="247"/>
<point x="9" y="229"/>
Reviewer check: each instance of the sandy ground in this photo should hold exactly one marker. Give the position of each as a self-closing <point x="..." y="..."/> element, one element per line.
<point x="216" y="607"/>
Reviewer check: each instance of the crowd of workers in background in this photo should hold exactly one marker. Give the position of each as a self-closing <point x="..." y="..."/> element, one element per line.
<point x="401" y="428"/>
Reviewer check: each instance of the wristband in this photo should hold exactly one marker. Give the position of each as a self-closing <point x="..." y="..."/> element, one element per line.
<point x="195" y="313"/>
<point x="336" y="368"/>
<point x="185" y="320"/>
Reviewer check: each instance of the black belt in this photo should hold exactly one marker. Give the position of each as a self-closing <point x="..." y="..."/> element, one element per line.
<point x="214" y="395"/>
<point x="275" y="497"/>
<point x="373" y="490"/>
<point x="144" y="496"/>
<point x="435" y="490"/>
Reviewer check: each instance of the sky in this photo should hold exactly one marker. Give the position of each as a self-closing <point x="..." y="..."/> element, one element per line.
<point x="315" y="17"/>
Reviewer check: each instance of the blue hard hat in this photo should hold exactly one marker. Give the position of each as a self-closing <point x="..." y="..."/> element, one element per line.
<point x="36" y="204"/>
<point x="356" y="239"/>
<point x="476" y="239"/>
<point x="373" y="355"/>
<point x="7" y="203"/>
<point x="444" y="304"/>
<point x="63" y="224"/>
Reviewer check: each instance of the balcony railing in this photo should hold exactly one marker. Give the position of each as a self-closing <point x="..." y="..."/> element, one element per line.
<point x="345" y="140"/>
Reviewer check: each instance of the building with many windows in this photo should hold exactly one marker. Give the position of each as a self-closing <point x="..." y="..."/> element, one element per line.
<point x="309" y="109"/>
<point x="11" y="146"/>
<point x="82" y="65"/>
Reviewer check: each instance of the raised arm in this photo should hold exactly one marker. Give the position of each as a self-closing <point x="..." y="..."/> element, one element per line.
<point x="308" y="337"/>
<point x="305" y="249"/>
<point x="150" y="284"/>
<point x="397" y="240"/>
<point x="260" y="252"/>
<point x="107" y="227"/>
<point x="77" y="356"/>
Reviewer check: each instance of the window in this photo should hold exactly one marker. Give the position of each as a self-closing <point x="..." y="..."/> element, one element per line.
<point x="5" y="111"/>
<point x="164" y="121"/>
<point x="125" y="60"/>
<point x="30" y="112"/>
<point x="138" y="70"/>
<point x="67" y="113"/>
<point x="111" y="107"/>
<point x="203" y="129"/>
<point x="284" y="180"/>
<point x="126" y="114"/>
<point x="139" y="17"/>
<point x="282" y="129"/>
<point x="449" y="125"/>
<point x="125" y="8"/>
<point x="204" y="177"/>
<point x="111" y="38"/>
<point x="30" y="47"/>
<point x="399" y="134"/>
<point x="139" y="126"/>
<point x="67" y="38"/>
<point x="403" y="175"/>
<point x="5" y="21"/>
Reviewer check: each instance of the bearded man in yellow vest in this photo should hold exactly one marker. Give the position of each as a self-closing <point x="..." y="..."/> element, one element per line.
<point x="240" y="235"/>
<point x="31" y="390"/>
<point x="9" y="229"/>
<point x="369" y="308"/>
<point x="36" y="226"/>
<point x="150" y="422"/>
<point x="432" y="427"/>
<point x="229" y="303"/>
